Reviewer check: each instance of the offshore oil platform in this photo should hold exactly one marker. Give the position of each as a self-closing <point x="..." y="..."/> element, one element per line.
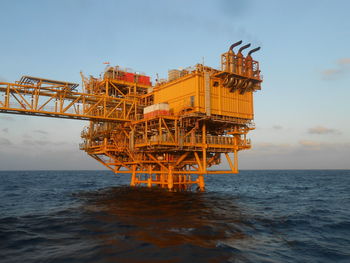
<point x="167" y="134"/>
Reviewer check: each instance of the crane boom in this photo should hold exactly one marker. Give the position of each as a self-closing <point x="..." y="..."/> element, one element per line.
<point x="58" y="99"/>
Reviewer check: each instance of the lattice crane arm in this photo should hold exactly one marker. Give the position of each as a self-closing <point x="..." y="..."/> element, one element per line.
<point x="41" y="97"/>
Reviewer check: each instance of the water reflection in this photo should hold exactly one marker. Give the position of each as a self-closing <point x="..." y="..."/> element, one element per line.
<point x="133" y="223"/>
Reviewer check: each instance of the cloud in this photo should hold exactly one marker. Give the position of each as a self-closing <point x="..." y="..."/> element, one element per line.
<point x="34" y="142"/>
<point x="29" y="142"/>
<point x="48" y="159"/>
<point x="41" y="132"/>
<point x="6" y="130"/>
<point x="344" y="61"/>
<point x="342" y="68"/>
<point x="277" y="127"/>
<point x="315" y="145"/>
<point x="6" y="118"/>
<point x="306" y="154"/>
<point x="308" y="143"/>
<point x="322" y="130"/>
<point x="268" y="147"/>
<point x="3" y="79"/>
<point x="5" y="142"/>
<point x="330" y="72"/>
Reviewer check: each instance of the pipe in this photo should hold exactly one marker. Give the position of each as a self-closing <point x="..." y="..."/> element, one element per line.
<point x="253" y="50"/>
<point x="242" y="48"/>
<point x="235" y="45"/>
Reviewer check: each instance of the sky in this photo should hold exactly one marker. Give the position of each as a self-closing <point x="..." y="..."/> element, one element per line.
<point x="301" y="114"/>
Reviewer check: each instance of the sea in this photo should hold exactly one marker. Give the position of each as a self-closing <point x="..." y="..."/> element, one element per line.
<point x="253" y="216"/>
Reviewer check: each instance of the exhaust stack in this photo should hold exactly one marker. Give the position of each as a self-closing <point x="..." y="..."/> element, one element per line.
<point x="249" y="67"/>
<point x="242" y="48"/>
<point x="235" y="45"/>
<point x="252" y="51"/>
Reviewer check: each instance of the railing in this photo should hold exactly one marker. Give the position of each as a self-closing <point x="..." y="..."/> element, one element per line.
<point x="97" y="129"/>
<point x="109" y="144"/>
<point x="196" y="139"/>
<point x="220" y="140"/>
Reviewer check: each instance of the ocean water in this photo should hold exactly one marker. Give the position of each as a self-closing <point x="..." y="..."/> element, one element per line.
<point x="255" y="216"/>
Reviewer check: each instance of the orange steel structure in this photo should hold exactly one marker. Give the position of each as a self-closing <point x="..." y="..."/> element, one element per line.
<point x="208" y="113"/>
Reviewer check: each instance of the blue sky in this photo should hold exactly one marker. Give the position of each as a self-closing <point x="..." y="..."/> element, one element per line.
<point x="301" y="113"/>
